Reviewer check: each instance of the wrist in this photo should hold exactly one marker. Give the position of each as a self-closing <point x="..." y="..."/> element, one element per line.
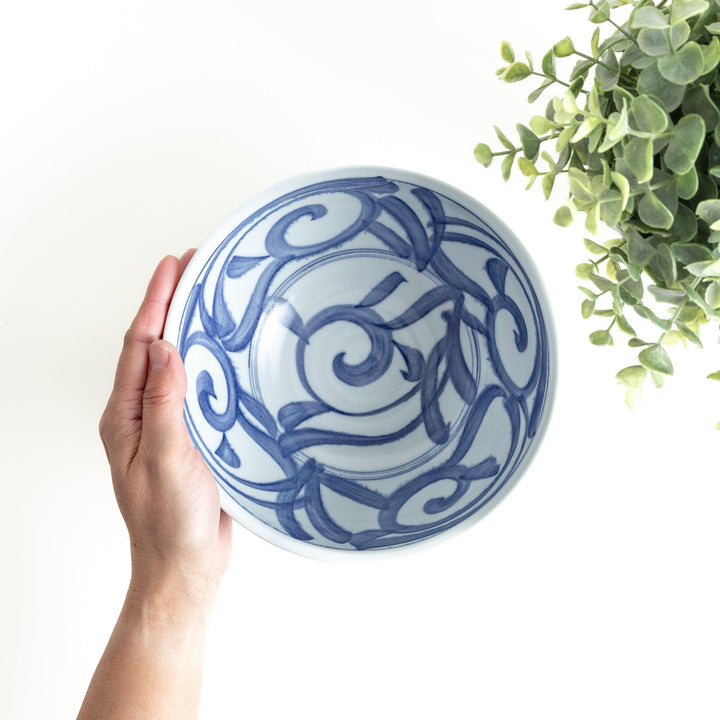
<point x="171" y="596"/>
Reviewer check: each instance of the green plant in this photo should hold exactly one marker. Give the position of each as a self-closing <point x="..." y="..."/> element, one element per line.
<point x="636" y="132"/>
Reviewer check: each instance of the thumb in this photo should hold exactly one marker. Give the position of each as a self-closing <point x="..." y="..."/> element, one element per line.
<point x="163" y="428"/>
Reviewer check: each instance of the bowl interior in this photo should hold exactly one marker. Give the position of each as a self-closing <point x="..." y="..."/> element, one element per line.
<point x="368" y="360"/>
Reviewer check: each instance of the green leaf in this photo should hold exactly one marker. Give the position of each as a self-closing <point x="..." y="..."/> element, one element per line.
<point x="483" y="154"/>
<point x="658" y="379"/>
<point x="593" y="102"/>
<point x="639" y="249"/>
<point x="622" y="183"/>
<point x="504" y="140"/>
<point x="535" y="94"/>
<point x="540" y="125"/>
<point x="713" y="28"/>
<point x="709" y="211"/>
<point x="662" y="42"/>
<point x="618" y="123"/>
<point x="506" y="52"/>
<point x="632" y="376"/>
<point x="688" y="334"/>
<point x="685" y="145"/>
<point x="585" y="128"/>
<point x="649" y="117"/>
<point x="648" y="17"/>
<point x="564" y="48"/>
<point x="563" y="216"/>
<point x="711" y="52"/>
<point x="516" y="72"/>
<point x="691" y="252"/>
<point x="666" y="263"/>
<point x="684" y="9"/>
<point x="685" y="225"/>
<point x="699" y="301"/>
<point x="645" y="312"/>
<point x="672" y="338"/>
<point x="625" y="326"/>
<point x="529" y="142"/>
<point x="685" y="66"/>
<point x="639" y="158"/>
<point x="547" y="184"/>
<point x="651" y="82"/>
<point x="607" y="72"/>
<point x="712" y="295"/>
<point x="714" y="375"/>
<point x="569" y="103"/>
<point x="686" y="184"/>
<point x="592" y="219"/>
<point x="698" y="101"/>
<point x="601" y="337"/>
<point x="593" y="247"/>
<point x="653" y="213"/>
<point x="633" y="397"/>
<point x="665" y="295"/>
<point x="548" y="64"/>
<point x="581" y="189"/>
<point x="595" y="43"/>
<point x="602" y="284"/>
<point x="526" y="167"/>
<point x="601" y="12"/>
<point x="581" y="69"/>
<point x="706" y="269"/>
<point x="587" y="307"/>
<point x="656" y="359"/>
<point x="634" y="57"/>
<point x="506" y="166"/>
<point x="611" y="206"/>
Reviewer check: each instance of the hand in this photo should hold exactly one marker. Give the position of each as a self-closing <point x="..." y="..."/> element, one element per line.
<point x="180" y="538"/>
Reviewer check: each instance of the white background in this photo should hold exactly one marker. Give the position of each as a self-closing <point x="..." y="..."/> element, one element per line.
<point x="131" y="130"/>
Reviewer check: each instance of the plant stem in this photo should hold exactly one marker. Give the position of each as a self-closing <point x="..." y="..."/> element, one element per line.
<point x="515" y="150"/>
<point x="557" y="80"/>
<point x="681" y="304"/>
<point x="615" y="25"/>
<point x="594" y="60"/>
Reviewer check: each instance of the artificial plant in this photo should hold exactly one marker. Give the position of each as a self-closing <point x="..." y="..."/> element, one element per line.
<point x="634" y="129"/>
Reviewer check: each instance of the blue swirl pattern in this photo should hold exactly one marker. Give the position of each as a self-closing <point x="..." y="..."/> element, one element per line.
<point x="368" y="363"/>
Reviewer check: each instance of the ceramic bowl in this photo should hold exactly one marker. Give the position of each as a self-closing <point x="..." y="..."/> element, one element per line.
<point x="369" y="360"/>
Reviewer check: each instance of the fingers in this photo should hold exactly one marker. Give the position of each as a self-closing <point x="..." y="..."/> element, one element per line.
<point x="164" y="435"/>
<point x="121" y="423"/>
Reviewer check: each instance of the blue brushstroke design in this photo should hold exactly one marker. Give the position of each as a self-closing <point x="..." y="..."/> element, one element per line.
<point x="227" y="454"/>
<point x="383" y="289"/>
<point x="420" y="229"/>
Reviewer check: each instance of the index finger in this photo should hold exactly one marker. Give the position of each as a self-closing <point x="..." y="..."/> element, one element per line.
<point x="147" y="326"/>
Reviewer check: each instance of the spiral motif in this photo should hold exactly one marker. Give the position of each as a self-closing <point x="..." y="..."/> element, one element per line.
<point x="367" y="363"/>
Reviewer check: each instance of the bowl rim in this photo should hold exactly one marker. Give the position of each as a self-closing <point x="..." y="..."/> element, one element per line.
<point x="259" y="200"/>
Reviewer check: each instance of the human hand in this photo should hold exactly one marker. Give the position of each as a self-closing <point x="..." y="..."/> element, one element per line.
<point x="180" y="538"/>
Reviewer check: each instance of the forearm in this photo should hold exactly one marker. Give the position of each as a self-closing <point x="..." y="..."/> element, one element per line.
<point x="152" y="666"/>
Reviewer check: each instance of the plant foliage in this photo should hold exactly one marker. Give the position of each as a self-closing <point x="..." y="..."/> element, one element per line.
<point x="635" y="129"/>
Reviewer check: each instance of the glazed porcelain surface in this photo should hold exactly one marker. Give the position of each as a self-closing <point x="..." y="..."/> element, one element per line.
<point x="369" y="360"/>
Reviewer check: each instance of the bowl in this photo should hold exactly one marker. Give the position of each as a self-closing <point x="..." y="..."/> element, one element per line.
<point x="369" y="359"/>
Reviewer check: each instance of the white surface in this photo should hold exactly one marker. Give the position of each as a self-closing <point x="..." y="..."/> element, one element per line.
<point x="131" y="131"/>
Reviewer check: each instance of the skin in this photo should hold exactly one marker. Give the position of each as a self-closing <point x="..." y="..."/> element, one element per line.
<point x="180" y="539"/>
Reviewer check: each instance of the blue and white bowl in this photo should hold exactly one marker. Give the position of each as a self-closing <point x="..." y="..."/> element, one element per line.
<point x="369" y="360"/>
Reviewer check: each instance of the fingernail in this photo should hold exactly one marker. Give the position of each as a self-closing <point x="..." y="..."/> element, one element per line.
<point x="158" y="355"/>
